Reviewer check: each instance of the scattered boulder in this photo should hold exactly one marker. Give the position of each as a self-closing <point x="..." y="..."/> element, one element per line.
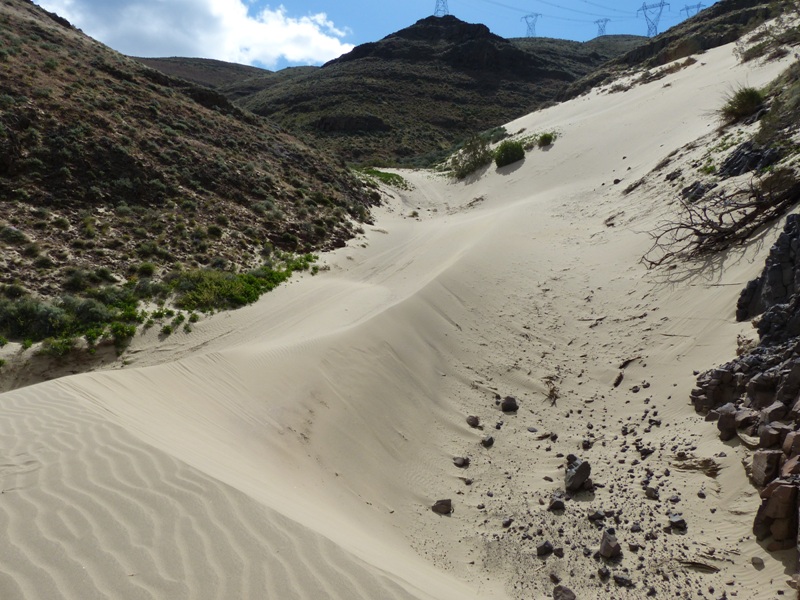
<point x="695" y="191"/>
<point x="487" y="442"/>
<point x="563" y="593"/>
<point x="509" y="404"/>
<point x="556" y="503"/>
<point x="443" y="507"/>
<point x="623" y="581"/>
<point x="544" y="549"/>
<point x="609" y="546"/>
<point x="473" y="421"/>
<point x="577" y="473"/>
<point x="462" y="462"/>
<point x="677" y="522"/>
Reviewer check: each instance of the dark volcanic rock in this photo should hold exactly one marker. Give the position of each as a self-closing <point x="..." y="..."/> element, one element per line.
<point x="443" y="507"/>
<point x="780" y="279"/>
<point x="556" y="503"/>
<point x="544" y="549"/>
<point x="748" y="157"/>
<point x="677" y="522"/>
<point x="578" y="472"/>
<point x="509" y="404"/>
<point x="609" y="546"/>
<point x="563" y="593"/>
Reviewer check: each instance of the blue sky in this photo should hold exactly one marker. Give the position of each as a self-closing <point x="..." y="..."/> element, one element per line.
<point x="299" y="32"/>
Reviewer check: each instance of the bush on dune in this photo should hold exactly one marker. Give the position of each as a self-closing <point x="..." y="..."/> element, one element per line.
<point x="508" y="153"/>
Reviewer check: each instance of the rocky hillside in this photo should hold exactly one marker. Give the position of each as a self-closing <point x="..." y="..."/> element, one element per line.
<point x="113" y="173"/>
<point x="204" y="71"/>
<point x="419" y="91"/>
<point x="721" y="23"/>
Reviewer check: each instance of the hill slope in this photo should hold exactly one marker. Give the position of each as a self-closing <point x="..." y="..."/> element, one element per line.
<point x="422" y="89"/>
<point x="106" y="164"/>
<point x="203" y="71"/>
<point x="721" y="23"/>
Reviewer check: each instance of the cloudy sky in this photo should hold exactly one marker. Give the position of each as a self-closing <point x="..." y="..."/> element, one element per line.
<point x="274" y="35"/>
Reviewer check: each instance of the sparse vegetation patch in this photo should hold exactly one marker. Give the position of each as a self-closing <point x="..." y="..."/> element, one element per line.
<point x="742" y="103"/>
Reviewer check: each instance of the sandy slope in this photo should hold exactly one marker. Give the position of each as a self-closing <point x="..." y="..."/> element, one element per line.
<point x="292" y="449"/>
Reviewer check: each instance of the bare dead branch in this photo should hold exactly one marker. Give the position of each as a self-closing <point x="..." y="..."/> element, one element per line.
<point x="727" y="219"/>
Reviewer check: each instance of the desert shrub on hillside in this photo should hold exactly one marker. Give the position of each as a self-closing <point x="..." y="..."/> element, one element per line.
<point x="741" y="103"/>
<point x="474" y="155"/>
<point x="508" y="153"/>
<point x="546" y="139"/>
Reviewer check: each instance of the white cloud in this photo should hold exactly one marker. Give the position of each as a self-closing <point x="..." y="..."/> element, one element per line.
<point x="222" y="29"/>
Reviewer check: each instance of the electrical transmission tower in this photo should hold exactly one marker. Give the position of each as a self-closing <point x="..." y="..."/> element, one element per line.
<point x="692" y="7"/>
<point x="601" y="26"/>
<point x="531" y="21"/>
<point x="441" y="9"/>
<point x="652" y="14"/>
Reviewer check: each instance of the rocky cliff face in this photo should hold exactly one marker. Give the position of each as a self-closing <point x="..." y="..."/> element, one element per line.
<point x="756" y="397"/>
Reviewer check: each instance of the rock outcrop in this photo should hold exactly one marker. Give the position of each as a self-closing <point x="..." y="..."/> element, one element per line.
<point x="756" y="396"/>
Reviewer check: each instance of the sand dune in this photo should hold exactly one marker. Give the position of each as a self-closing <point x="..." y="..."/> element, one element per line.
<point x="292" y="449"/>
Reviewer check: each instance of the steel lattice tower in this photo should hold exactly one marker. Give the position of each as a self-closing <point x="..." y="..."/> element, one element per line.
<point x="531" y="21"/>
<point x="441" y="9"/>
<point x="601" y="26"/>
<point x="692" y="7"/>
<point x="652" y="14"/>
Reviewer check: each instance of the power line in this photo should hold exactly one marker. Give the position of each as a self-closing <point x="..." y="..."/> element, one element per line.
<point x="607" y="8"/>
<point x="531" y="21"/>
<point x="548" y="16"/>
<point x="575" y="10"/>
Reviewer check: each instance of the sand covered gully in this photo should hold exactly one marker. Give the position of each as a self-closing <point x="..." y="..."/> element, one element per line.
<point x="294" y="448"/>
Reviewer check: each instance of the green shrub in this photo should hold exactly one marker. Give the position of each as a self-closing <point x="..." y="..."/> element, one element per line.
<point x="3" y="341"/>
<point x="546" y="139"/>
<point x="205" y="290"/>
<point x="146" y="269"/>
<point x="57" y="348"/>
<point x="508" y="153"/>
<point x="740" y="104"/>
<point x="474" y="155"/>
<point x="122" y="333"/>
<point x="390" y="179"/>
<point x="12" y="235"/>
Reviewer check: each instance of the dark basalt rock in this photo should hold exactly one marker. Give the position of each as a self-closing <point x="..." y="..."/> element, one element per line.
<point x="748" y="157"/>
